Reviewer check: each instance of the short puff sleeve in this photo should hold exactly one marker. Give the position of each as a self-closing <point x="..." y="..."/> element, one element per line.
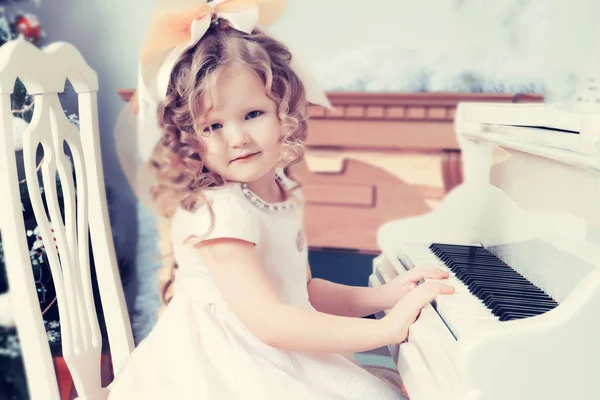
<point x="233" y="218"/>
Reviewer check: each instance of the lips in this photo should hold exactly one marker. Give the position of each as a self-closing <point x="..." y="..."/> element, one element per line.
<point x="245" y="157"/>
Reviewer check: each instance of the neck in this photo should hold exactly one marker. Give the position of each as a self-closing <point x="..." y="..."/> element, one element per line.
<point x="267" y="188"/>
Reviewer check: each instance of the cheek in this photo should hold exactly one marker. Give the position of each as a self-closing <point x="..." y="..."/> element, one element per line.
<point x="272" y="133"/>
<point x="209" y="146"/>
<point x="210" y="152"/>
<point x="203" y="149"/>
<point x="274" y="149"/>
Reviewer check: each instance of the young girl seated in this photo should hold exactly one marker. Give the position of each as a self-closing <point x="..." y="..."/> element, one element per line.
<point x="246" y="320"/>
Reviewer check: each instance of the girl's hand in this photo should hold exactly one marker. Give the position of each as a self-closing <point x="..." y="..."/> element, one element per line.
<point x="406" y="311"/>
<point x="395" y="289"/>
<point x="418" y="273"/>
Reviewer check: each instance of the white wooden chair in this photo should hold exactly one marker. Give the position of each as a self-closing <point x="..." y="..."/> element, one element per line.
<point x="44" y="74"/>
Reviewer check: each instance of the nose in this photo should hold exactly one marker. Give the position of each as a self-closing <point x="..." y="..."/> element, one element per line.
<point x="237" y="136"/>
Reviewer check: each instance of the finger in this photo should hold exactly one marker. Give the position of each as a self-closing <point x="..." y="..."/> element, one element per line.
<point x="440" y="273"/>
<point x="437" y="287"/>
<point x="447" y="289"/>
<point x="429" y="291"/>
<point x="403" y="289"/>
<point x="425" y="271"/>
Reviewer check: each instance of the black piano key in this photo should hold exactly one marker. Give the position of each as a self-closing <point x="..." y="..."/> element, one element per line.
<point x="509" y="316"/>
<point x="486" y="258"/>
<point x="459" y="248"/>
<point x="464" y="254"/>
<point x="467" y="276"/>
<point x="508" y="307"/>
<point x="464" y="274"/>
<point x="475" y="262"/>
<point x="504" y="308"/>
<point x="494" y="300"/>
<point x="532" y="300"/>
<point x="476" y="259"/>
<point x="445" y="256"/>
<point x="499" y="310"/>
<point x="455" y="267"/>
<point x="504" y="314"/>
<point x="485" y="279"/>
<point x="498" y="282"/>
<point x="478" y="252"/>
<point x="484" y="282"/>
<point x="480" y="288"/>
<point x="485" y="292"/>
<point x="499" y="296"/>
<point x="470" y="258"/>
<point x="505" y="292"/>
<point x="498" y="305"/>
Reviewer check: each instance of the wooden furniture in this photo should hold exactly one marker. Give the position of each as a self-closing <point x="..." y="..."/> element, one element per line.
<point x="377" y="157"/>
<point x="85" y="214"/>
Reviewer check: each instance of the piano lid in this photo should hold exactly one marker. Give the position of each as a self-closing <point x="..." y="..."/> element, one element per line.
<point x="572" y="125"/>
<point x="525" y="115"/>
<point x="541" y="129"/>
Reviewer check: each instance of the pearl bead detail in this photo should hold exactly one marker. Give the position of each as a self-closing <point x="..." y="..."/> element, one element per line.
<point x="263" y="205"/>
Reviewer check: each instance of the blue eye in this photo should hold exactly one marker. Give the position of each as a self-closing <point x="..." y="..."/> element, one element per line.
<point x="253" y="114"/>
<point x="212" y="128"/>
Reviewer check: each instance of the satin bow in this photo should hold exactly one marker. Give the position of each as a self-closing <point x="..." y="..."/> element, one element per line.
<point x="179" y="25"/>
<point x="185" y="22"/>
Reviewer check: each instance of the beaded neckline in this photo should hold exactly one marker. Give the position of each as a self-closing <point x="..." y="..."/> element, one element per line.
<point x="287" y="205"/>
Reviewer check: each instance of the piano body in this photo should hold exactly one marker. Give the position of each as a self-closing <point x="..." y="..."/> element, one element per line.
<point x="521" y="240"/>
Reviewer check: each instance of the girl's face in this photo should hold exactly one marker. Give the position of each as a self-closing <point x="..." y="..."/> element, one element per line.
<point x="241" y="135"/>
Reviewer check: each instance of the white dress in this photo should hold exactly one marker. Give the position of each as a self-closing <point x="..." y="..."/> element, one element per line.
<point x="200" y="350"/>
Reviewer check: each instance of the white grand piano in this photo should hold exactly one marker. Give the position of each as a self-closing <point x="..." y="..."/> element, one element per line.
<point x="521" y="240"/>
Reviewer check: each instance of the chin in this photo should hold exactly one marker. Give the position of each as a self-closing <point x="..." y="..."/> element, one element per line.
<point x="247" y="173"/>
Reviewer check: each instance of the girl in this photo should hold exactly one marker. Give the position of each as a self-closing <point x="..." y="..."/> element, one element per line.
<point x="246" y="320"/>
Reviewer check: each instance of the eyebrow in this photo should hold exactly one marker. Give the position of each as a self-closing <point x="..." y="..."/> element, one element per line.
<point x="262" y="102"/>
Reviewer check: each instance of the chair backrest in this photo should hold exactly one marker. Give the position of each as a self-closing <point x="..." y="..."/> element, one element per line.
<point x="44" y="72"/>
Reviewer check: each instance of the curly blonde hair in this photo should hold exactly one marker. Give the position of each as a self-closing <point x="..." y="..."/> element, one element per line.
<point x="180" y="171"/>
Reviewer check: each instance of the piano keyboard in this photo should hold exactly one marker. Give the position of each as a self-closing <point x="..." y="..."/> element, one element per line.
<point x="503" y="291"/>
<point x="487" y="290"/>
